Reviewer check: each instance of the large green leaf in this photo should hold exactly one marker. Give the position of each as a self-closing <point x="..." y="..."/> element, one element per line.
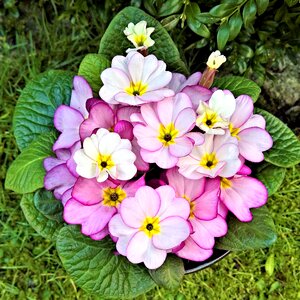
<point x="238" y="86"/>
<point x="286" y="147"/>
<point x="259" y="233"/>
<point x="46" y="227"/>
<point x="94" y="266"/>
<point x="37" y="104"/>
<point x="91" y="67"/>
<point x="26" y="173"/>
<point x="114" y="42"/>
<point x="271" y="176"/>
<point x="170" y="274"/>
<point x="50" y="207"/>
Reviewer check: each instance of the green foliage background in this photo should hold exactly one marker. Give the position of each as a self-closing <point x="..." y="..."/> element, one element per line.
<point x="39" y="35"/>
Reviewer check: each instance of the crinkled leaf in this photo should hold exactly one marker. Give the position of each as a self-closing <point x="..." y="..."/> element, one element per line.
<point x="259" y="233"/>
<point x="170" y="22"/>
<point x="95" y="267"/>
<point x="238" y="86"/>
<point x="91" y="67"/>
<point x="26" y="173"/>
<point x="223" y="35"/>
<point x="170" y="274"/>
<point x="271" y="176"/>
<point x="169" y="7"/>
<point x="114" y="42"/>
<point x="262" y="6"/>
<point x="50" y="207"/>
<point x="286" y="146"/>
<point x="37" y="104"/>
<point x="44" y="226"/>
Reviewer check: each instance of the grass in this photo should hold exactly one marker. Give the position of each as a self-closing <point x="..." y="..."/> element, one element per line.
<point x="57" y="35"/>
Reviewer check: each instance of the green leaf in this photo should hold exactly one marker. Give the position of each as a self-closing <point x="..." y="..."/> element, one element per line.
<point x="192" y="12"/>
<point x="169" y="7"/>
<point x="50" y="207"/>
<point x="223" y="35"/>
<point x="286" y="146"/>
<point x="26" y="173"/>
<point x="291" y="3"/>
<point x="91" y="67"/>
<point x="271" y="176"/>
<point x="238" y="86"/>
<point x="262" y="6"/>
<point x="95" y="268"/>
<point x="170" y="274"/>
<point x="222" y="10"/>
<point x="235" y="24"/>
<point x="207" y="18"/>
<point x="44" y="226"/>
<point x="249" y="13"/>
<point x="170" y="22"/>
<point x="114" y="42"/>
<point x="37" y="104"/>
<point x="259" y="233"/>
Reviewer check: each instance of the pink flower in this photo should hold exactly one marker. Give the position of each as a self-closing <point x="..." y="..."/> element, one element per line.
<point x="249" y="130"/>
<point x="206" y="223"/>
<point x="135" y="80"/>
<point x="150" y="224"/>
<point x="240" y="193"/>
<point x="93" y="204"/>
<point x="163" y="130"/>
<point x="179" y="81"/>
<point x="218" y="155"/>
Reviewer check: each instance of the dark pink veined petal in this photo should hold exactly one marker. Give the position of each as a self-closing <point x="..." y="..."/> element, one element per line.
<point x="100" y="235"/>
<point x="124" y="129"/>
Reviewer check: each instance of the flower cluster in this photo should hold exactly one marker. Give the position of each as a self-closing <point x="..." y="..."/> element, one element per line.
<point x="159" y="159"/>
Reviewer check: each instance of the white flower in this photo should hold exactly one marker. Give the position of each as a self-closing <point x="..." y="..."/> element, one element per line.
<point x="135" y="80"/>
<point x="215" y="60"/>
<point x="139" y="35"/>
<point x="214" y="117"/>
<point x="103" y="154"/>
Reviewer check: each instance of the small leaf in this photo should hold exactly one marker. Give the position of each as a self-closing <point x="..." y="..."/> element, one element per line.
<point x="259" y="233"/>
<point x="235" y="25"/>
<point x="271" y="176"/>
<point x="222" y="10"/>
<point x="44" y="226"/>
<point x="262" y="6"/>
<point x="286" y="146"/>
<point x="192" y="11"/>
<point x="36" y="105"/>
<point x="249" y="13"/>
<point x="169" y="7"/>
<point x="95" y="267"/>
<point x="50" y="207"/>
<point x="170" y="274"/>
<point x="91" y="68"/>
<point x="291" y="3"/>
<point x="270" y="265"/>
<point x="207" y="18"/>
<point x="238" y="86"/>
<point x="26" y="173"/>
<point x="114" y="42"/>
<point x="150" y="7"/>
<point x="170" y="22"/>
<point x="223" y="35"/>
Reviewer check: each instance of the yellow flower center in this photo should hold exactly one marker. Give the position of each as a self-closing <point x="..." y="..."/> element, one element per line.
<point x="104" y="162"/>
<point x="151" y="226"/>
<point x="140" y="39"/>
<point x="225" y="183"/>
<point x="192" y="206"/>
<point x="167" y="134"/>
<point x="209" y="160"/>
<point x="209" y="118"/>
<point x="113" y="196"/>
<point x="136" y="89"/>
<point x="234" y="131"/>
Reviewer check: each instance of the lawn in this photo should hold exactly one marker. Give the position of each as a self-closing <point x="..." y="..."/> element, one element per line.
<point x="55" y="35"/>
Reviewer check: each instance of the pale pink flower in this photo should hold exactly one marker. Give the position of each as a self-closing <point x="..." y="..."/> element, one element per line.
<point x="150" y="224"/>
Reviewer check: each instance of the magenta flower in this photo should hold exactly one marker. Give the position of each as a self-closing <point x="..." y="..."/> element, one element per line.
<point x="163" y="133"/>
<point x="150" y="224"/>
<point x="61" y="172"/>
<point x="249" y="130"/>
<point x="204" y="218"/>
<point x="93" y="203"/>
<point x="218" y="155"/>
<point x="67" y="119"/>
<point x="135" y="80"/>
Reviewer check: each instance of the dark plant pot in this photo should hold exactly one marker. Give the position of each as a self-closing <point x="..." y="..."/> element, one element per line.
<point x="194" y="266"/>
